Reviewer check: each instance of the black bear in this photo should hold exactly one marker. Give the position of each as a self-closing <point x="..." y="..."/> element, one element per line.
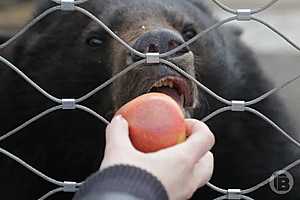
<point x="68" y="55"/>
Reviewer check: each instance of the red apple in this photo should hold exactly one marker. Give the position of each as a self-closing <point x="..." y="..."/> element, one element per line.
<point x="155" y="122"/>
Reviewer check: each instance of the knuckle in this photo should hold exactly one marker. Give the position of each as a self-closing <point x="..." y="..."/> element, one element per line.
<point x="211" y="138"/>
<point x="203" y="126"/>
<point x="208" y="137"/>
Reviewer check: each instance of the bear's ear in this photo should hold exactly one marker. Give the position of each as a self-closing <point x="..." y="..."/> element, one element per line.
<point x="202" y="5"/>
<point x="235" y="30"/>
<point x="43" y="5"/>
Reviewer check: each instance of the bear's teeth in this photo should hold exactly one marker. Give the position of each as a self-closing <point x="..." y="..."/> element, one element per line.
<point x="164" y="83"/>
<point x="159" y="84"/>
<point x="168" y="84"/>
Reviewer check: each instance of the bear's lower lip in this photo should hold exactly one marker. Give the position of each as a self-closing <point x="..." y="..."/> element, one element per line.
<point x="175" y="87"/>
<point x="179" y="98"/>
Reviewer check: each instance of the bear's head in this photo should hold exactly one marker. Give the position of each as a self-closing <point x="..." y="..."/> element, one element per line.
<point x="86" y="55"/>
<point x="68" y="54"/>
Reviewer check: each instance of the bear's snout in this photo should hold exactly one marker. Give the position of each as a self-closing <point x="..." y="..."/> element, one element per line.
<point x="159" y="41"/>
<point x="161" y="78"/>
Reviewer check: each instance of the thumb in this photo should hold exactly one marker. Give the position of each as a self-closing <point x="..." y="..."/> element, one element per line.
<point x="117" y="133"/>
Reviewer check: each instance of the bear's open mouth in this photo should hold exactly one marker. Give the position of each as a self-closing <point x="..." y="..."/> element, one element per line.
<point x="175" y="87"/>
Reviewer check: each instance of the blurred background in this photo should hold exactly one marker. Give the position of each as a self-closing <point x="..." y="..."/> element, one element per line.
<point x="279" y="60"/>
<point x="14" y="14"/>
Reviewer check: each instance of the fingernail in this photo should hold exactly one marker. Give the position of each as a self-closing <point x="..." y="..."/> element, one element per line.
<point x="119" y="117"/>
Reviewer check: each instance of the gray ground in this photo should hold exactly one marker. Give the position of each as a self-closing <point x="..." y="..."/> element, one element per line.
<point x="279" y="60"/>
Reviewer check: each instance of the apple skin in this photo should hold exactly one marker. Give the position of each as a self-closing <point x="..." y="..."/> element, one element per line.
<point x="155" y="122"/>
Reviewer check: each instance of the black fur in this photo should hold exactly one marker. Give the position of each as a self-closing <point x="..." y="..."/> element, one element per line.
<point x="68" y="145"/>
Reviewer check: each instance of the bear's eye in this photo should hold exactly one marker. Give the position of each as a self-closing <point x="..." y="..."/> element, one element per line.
<point x="94" y="42"/>
<point x="189" y="32"/>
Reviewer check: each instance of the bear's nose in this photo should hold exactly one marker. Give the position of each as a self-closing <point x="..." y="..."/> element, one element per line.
<point x="160" y="41"/>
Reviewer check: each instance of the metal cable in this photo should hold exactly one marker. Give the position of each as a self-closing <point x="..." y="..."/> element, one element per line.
<point x="30" y="168"/>
<point x="225" y="7"/>
<point x="271" y="178"/>
<point x="28" y="26"/>
<point x="277" y="32"/>
<point x="116" y="37"/>
<point x="75" y="2"/>
<point x="215" y="113"/>
<point x="80" y="1"/>
<point x="182" y="72"/>
<point x="256" y="187"/>
<point x="267" y="94"/>
<point x="217" y="189"/>
<point x="28" y="80"/>
<point x="251" y="110"/>
<point x="110" y="81"/>
<point x="90" y="111"/>
<point x="39" y="116"/>
<point x="52" y="192"/>
<point x="241" y="197"/>
<point x="246" y="197"/>
<point x="253" y="11"/>
<point x="271" y="3"/>
<point x="199" y="35"/>
<point x="221" y="197"/>
<point x="134" y="65"/>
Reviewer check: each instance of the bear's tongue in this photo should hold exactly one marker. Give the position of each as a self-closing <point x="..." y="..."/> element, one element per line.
<point x="172" y="93"/>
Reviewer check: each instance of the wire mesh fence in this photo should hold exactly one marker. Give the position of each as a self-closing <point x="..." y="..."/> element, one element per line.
<point x="150" y="58"/>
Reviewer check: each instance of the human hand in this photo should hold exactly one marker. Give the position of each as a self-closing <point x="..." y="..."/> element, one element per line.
<point x="182" y="169"/>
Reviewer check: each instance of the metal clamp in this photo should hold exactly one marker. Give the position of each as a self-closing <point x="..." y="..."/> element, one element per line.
<point x="70" y="186"/>
<point x="244" y="14"/>
<point x="234" y="194"/>
<point x="238" y="106"/>
<point x="67" y="5"/>
<point x="68" y="104"/>
<point x="152" y="58"/>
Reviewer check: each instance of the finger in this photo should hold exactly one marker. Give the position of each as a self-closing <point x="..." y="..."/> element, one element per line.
<point x="189" y="124"/>
<point x="198" y="144"/>
<point x="193" y="125"/>
<point x="117" y="133"/>
<point x="203" y="170"/>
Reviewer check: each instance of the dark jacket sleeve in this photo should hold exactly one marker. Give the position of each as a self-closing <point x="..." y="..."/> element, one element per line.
<point x="122" y="182"/>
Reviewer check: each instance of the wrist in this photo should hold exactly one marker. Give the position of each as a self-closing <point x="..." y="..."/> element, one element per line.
<point x="128" y="180"/>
